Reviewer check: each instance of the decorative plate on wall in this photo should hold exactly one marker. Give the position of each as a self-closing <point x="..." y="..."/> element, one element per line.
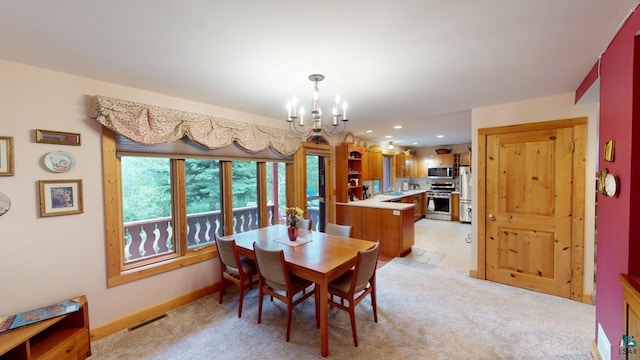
<point x="5" y="204"/>
<point x="59" y="161"/>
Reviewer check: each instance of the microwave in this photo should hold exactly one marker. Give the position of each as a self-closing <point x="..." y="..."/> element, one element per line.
<point x="440" y="172"/>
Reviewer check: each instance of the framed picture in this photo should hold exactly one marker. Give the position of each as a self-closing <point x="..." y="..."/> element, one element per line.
<point x="609" y="151"/>
<point x="60" y="197"/>
<point x="57" y="137"/>
<point x="6" y="156"/>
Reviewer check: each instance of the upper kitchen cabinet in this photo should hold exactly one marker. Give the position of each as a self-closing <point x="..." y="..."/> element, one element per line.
<point x="405" y="165"/>
<point x="372" y="164"/>
<point x="349" y="176"/>
<point x="444" y="159"/>
<point x="465" y="158"/>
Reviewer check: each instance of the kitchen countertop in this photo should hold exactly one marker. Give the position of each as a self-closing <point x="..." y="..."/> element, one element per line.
<point x="385" y="201"/>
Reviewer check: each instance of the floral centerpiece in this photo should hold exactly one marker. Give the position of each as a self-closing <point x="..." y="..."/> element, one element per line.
<point x="293" y="215"/>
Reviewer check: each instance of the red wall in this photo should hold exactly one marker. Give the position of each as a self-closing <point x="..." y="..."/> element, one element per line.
<point x="618" y="224"/>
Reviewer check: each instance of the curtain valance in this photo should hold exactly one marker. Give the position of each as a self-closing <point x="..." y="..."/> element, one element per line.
<point x="151" y="125"/>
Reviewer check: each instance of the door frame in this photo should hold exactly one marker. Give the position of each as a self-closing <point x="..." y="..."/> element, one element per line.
<point x="579" y="126"/>
<point x="297" y="194"/>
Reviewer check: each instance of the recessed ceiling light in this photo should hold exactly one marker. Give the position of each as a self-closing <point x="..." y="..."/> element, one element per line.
<point x="398" y="127"/>
<point x="388" y="137"/>
<point x="440" y="136"/>
<point x="369" y="131"/>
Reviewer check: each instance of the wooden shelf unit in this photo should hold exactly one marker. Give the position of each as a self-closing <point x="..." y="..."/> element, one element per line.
<point x="349" y="165"/>
<point x="62" y="337"/>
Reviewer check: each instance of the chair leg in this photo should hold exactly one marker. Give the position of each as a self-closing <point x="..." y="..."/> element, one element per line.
<point x="260" y="304"/>
<point x="373" y="301"/>
<point x="241" y="299"/>
<point x="352" y="315"/>
<point x="289" y="310"/>
<point x="222" y="282"/>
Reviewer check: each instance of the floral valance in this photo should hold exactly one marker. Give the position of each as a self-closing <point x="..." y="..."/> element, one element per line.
<point x="152" y="125"/>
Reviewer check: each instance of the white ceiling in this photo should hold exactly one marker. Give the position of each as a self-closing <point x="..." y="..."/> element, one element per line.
<point x="422" y="64"/>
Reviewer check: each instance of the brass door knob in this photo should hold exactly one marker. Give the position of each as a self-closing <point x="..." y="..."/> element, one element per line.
<point x="491" y="217"/>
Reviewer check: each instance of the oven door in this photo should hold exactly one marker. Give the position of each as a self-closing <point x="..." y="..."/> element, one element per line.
<point x="439" y="206"/>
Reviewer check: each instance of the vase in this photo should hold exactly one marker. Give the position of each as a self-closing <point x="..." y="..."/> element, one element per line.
<point x="292" y="231"/>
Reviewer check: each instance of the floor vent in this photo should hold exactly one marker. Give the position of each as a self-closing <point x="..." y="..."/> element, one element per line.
<point x="147" y="322"/>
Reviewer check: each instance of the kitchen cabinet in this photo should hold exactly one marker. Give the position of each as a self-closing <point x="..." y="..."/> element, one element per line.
<point x="349" y="172"/>
<point x="420" y="202"/>
<point x="455" y="206"/>
<point x="372" y="164"/>
<point x="465" y="158"/>
<point x="408" y="165"/>
<point x="444" y="159"/>
<point x="461" y="159"/>
<point x="64" y="337"/>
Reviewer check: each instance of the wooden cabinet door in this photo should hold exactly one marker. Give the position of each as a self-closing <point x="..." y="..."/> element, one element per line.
<point x="421" y="166"/>
<point x="528" y="207"/>
<point x="400" y="165"/>
<point x="465" y="158"/>
<point x="375" y="164"/>
<point x="445" y="159"/>
<point x="366" y="169"/>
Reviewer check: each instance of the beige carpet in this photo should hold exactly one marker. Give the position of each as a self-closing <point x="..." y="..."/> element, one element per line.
<point x="424" y="312"/>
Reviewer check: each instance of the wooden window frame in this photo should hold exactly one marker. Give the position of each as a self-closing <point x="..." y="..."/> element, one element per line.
<point x="118" y="271"/>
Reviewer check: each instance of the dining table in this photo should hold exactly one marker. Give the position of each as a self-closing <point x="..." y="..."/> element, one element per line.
<point x="314" y="256"/>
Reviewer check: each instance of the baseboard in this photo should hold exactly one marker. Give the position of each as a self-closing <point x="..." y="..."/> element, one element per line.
<point x="594" y="350"/>
<point x="156" y="310"/>
<point x="587" y="299"/>
<point x="473" y="274"/>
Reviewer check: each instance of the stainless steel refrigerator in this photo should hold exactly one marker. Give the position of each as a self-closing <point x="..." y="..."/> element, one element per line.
<point x="466" y="189"/>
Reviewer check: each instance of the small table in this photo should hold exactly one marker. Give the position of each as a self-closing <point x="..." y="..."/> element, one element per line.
<point x="321" y="260"/>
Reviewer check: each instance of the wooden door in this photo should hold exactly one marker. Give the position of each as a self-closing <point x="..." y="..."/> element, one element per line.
<point x="528" y="216"/>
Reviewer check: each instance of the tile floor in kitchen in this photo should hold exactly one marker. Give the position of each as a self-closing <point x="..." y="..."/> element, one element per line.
<point x="441" y="243"/>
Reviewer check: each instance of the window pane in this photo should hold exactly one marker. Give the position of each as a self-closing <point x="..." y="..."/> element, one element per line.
<point x="146" y="205"/>
<point x="244" y="187"/>
<point x="202" y="181"/>
<point x="276" y="192"/>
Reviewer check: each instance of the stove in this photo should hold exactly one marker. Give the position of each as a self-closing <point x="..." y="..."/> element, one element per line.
<point x="439" y="200"/>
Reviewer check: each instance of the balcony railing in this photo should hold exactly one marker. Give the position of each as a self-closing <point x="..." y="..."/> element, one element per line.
<point x="146" y="238"/>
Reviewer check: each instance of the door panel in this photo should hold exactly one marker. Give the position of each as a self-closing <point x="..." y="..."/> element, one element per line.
<point x="528" y="206"/>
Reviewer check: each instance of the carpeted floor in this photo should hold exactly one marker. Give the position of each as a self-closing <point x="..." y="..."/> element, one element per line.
<point x="424" y="312"/>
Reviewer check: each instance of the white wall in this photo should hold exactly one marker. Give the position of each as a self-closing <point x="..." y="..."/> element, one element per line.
<point x="545" y="109"/>
<point x="44" y="260"/>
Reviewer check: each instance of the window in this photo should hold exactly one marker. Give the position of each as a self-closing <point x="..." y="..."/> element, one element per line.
<point x="244" y="184"/>
<point x="163" y="210"/>
<point x="276" y="192"/>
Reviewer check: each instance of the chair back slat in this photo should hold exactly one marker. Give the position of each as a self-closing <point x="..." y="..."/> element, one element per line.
<point x="366" y="267"/>
<point x="339" y="230"/>
<point x="226" y="251"/>
<point x="271" y="266"/>
<point x="304" y="224"/>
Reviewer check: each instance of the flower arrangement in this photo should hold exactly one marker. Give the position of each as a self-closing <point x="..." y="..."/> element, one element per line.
<point x="293" y="215"/>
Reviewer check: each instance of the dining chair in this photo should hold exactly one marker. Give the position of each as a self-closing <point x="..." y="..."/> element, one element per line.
<point x="355" y="285"/>
<point x="276" y="281"/>
<point x="304" y="224"/>
<point x="238" y="269"/>
<point x="340" y="230"/>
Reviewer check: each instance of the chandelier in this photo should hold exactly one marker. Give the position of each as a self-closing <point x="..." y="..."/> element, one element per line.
<point x="315" y="132"/>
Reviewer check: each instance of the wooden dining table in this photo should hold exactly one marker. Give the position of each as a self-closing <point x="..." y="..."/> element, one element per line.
<point x="320" y="260"/>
